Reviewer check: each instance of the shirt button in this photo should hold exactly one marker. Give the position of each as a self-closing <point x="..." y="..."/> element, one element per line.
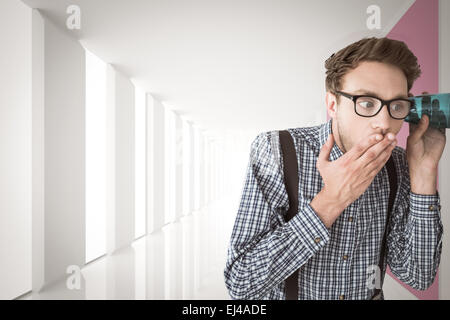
<point x="341" y="297"/>
<point x="431" y="207"/>
<point x="345" y="257"/>
<point x="350" y="219"/>
<point x="317" y="240"/>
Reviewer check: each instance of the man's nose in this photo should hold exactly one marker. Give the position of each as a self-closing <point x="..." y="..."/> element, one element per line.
<point x="382" y="120"/>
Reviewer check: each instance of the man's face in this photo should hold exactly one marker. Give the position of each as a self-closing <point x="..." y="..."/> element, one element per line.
<point x="377" y="79"/>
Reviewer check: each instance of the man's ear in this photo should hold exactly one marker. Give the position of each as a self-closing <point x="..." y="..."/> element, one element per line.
<point x="330" y="101"/>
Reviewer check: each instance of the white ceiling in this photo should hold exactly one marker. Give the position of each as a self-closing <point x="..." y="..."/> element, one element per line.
<point x="246" y="65"/>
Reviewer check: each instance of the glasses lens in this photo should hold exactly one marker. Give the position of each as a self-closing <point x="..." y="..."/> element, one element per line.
<point x="400" y="108"/>
<point x="367" y="106"/>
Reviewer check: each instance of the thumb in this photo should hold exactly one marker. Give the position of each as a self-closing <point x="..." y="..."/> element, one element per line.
<point x="324" y="154"/>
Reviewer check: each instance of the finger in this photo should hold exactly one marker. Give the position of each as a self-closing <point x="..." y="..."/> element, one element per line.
<point x="373" y="152"/>
<point x="416" y="131"/>
<point x="375" y="166"/>
<point x="325" y="151"/>
<point x="370" y="175"/>
<point x="364" y="144"/>
<point x="412" y="127"/>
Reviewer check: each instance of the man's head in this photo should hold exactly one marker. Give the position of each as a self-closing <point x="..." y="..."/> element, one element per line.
<point x="379" y="67"/>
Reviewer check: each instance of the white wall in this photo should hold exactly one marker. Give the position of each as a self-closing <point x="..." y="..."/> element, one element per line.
<point x="120" y="160"/>
<point x="43" y="127"/>
<point x="444" y="164"/>
<point x="64" y="152"/>
<point x="15" y="149"/>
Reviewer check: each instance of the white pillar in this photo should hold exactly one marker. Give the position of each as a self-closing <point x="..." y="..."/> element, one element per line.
<point x="178" y="196"/>
<point x="155" y="164"/>
<point x="120" y="160"/>
<point x="141" y="163"/>
<point x="64" y="153"/>
<point x="197" y="168"/>
<point x="169" y="176"/>
<point x="214" y="169"/>
<point x="187" y="245"/>
<point x="202" y="170"/>
<point x="58" y="228"/>
<point x="38" y="111"/>
<point x="187" y="168"/>
<point x="191" y="168"/>
<point x="155" y="266"/>
<point x="207" y="175"/>
<point x="15" y="149"/>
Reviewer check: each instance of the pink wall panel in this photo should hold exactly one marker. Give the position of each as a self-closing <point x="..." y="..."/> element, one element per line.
<point x="419" y="29"/>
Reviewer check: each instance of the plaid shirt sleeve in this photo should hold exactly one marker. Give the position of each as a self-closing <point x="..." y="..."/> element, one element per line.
<point x="264" y="249"/>
<point x="415" y="239"/>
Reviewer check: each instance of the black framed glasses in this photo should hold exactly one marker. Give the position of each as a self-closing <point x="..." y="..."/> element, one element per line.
<point x="369" y="106"/>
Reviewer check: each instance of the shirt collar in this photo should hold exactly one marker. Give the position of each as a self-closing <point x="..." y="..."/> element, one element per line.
<point x="324" y="132"/>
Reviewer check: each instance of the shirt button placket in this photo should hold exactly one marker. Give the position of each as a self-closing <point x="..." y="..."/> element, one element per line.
<point x="345" y="257"/>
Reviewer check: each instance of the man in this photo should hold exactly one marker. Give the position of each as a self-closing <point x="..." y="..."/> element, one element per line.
<point x="437" y="115"/>
<point x="335" y="238"/>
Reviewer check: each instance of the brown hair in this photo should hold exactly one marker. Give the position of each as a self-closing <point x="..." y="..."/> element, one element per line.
<point x="385" y="50"/>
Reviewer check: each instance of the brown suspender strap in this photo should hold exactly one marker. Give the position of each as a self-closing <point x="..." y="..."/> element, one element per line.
<point x="291" y="182"/>
<point x="390" y="166"/>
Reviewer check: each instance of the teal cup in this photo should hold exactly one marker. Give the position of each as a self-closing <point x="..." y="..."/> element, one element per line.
<point x="435" y="106"/>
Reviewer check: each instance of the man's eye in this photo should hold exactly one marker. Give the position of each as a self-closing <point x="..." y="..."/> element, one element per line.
<point x="397" y="107"/>
<point x="366" y="104"/>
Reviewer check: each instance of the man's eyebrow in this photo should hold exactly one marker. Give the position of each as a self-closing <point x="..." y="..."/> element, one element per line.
<point x="371" y="93"/>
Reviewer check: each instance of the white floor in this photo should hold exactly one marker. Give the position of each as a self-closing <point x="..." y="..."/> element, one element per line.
<point x="184" y="260"/>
